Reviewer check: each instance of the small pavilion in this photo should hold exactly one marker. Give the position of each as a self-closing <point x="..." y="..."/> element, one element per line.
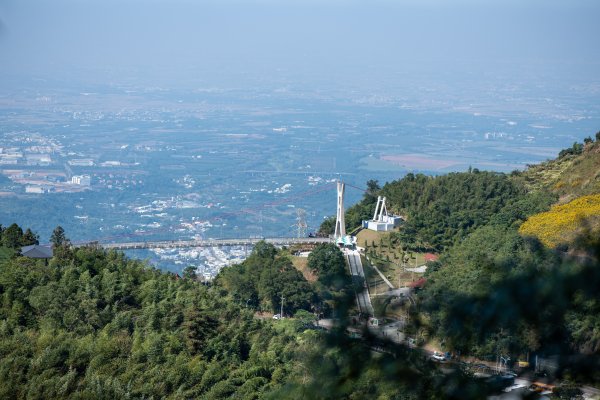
<point x="37" y="251"/>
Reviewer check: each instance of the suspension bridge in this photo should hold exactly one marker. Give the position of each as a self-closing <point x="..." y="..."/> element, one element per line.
<point x="340" y="238"/>
<point x="173" y="244"/>
<point x="116" y="242"/>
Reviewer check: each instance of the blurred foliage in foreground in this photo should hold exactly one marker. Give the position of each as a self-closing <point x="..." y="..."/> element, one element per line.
<point x="94" y="324"/>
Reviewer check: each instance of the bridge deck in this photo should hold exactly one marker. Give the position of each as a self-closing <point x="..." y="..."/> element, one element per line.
<point x="211" y="243"/>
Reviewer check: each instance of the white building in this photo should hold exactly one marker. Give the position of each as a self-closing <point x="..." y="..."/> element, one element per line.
<point x="382" y="221"/>
<point x="39" y="159"/>
<point x="82" y="180"/>
<point x="34" y="189"/>
<point x="81" y="162"/>
<point x="8" y="161"/>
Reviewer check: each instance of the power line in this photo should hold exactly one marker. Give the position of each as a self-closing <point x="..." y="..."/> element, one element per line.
<point x="223" y="215"/>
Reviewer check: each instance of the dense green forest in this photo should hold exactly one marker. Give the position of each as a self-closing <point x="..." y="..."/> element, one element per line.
<point x="497" y="292"/>
<point x="443" y="210"/>
<point x="494" y="291"/>
<point x="94" y="324"/>
<point x="267" y="276"/>
<point x="500" y="293"/>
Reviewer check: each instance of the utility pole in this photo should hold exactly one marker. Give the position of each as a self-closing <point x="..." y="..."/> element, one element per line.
<point x="399" y="276"/>
<point x="282" y="300"/>
<point x="260" y="221"/>
<point x="301" y="222"/>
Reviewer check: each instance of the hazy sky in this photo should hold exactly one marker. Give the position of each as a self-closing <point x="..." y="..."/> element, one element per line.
<point x="299" y="38"/>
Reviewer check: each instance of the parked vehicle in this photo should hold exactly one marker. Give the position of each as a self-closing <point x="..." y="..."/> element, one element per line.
<point x="500" y="382"/>
<point x="514" y="387"/>
<point x="541" y="388"/>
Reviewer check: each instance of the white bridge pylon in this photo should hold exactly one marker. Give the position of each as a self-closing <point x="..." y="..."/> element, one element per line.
<point x="380" y="210"/>
<point x="340" y="222"/>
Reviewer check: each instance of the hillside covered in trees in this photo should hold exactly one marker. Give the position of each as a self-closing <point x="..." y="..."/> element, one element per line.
<point x="518" y="262"/>
<point x="526" y="282"/>
<point x="443" y="210"/>
<point x="94" y="324"/>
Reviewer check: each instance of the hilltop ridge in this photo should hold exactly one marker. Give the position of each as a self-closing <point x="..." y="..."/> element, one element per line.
<point x="575" y="172"/>
<point x="443" y="210"/>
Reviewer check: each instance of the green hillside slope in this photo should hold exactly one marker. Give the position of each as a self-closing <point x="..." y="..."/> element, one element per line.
<point x="574" y="173"/>
<point x="96" y="325"/>
<point x="505" y="289"/>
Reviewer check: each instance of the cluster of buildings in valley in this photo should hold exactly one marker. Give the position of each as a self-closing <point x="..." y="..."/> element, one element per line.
<point x="35" y="178"/>
<point x="208" y="261"/>
<point x="48" y="181"/>
<point x="35" y="164"/>
<point x="81" y="180"/>
<point x="30" y="156"/>
<point x="29" y="161"/>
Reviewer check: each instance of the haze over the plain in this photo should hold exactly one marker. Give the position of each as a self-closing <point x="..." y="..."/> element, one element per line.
<point x="363" y="43"/>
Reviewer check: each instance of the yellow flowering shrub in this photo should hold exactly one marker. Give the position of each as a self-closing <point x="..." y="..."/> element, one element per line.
<point x="563" y="220"/>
